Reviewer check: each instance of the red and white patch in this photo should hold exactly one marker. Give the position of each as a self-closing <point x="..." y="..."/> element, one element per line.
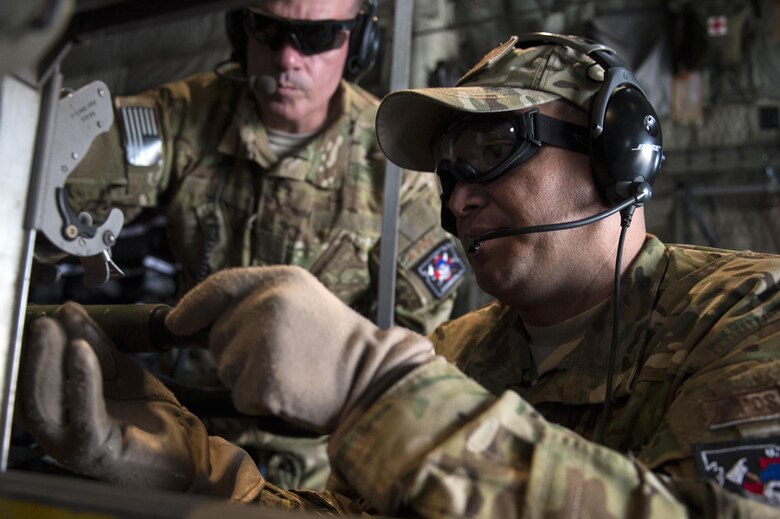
<point x="442" y="269"/>
<point x="749" y="467"/>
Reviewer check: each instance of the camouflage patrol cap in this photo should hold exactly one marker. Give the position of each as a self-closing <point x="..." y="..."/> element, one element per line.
<point x="409" y="122"/>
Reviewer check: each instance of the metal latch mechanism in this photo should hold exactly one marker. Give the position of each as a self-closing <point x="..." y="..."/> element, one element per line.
<point x="79" y="118"/>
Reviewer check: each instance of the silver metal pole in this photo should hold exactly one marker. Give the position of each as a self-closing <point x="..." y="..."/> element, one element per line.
<point x="399" y="78"/>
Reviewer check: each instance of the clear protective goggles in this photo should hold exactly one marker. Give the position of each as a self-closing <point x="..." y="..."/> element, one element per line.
<point x="309" y="36"/>
<point x="479" y="147"/>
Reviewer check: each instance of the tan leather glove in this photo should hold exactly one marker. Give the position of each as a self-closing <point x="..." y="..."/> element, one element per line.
<point x="99" y="413"/>
<point x="287" y="346"/>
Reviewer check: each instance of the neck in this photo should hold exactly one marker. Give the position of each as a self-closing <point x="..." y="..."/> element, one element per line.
<point x="589" y="280"/>
<point x="308" y="125"/>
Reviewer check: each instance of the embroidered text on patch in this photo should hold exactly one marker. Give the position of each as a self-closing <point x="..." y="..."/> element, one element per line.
<point x="745" y="407"/>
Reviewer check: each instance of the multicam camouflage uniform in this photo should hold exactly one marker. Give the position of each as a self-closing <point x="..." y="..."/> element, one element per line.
<point x="696" y="406"/>
<point x="228" y="195"/>
<point x="198" y="148"/>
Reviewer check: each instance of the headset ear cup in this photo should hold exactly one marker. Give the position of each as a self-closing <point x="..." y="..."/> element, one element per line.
<point x="363" y="44"/>
<point x="629" y="149"/>
<point x="234" y="26"/>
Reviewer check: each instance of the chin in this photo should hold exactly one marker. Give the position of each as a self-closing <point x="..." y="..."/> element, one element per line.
<point x="497" y="291"/>
<point x="280" y="113"/>
<point x="489" y="281"/>
<point x="280" y="103"/>
<point x="496" y="269"/>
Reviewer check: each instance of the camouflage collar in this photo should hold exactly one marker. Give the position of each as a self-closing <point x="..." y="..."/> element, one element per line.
<point x="245" y="136"/>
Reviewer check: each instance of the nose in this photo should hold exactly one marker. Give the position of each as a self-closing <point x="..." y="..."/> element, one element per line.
<point x="466" y="198"/>
<point x="289" y="57"/>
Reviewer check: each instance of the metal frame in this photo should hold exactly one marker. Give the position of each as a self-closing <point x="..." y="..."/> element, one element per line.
<point x="24" y="494"/>
<point x="399" y="78"/>
<point x="19" y="114"/>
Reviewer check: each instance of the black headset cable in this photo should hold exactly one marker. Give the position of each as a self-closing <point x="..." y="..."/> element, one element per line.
<point x="626" y="216"/>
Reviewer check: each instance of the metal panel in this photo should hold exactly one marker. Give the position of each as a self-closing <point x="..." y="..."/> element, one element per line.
<point x="25" y="494"/>
<point x="19" y="109"/>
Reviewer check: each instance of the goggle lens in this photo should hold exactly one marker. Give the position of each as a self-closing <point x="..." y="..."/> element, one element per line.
<point x="309" y="36"/>
<point x="483" y="146"/>
<point x="478" y="149"/>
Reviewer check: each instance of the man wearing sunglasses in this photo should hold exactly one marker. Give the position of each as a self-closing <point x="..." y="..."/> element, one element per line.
<point x="275" y="161"/>
<point x="517" y="423"/>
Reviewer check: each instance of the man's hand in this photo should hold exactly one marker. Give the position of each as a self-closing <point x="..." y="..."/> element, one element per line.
<point x="287" y="346"/>
<point x="99" y="413"/>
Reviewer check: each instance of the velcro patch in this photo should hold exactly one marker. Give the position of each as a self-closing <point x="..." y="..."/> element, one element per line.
<point x="143" y="145"/>
<point x="745" y="407"/>
<point x="442" y="269"/>
<point x="749" y="467"/>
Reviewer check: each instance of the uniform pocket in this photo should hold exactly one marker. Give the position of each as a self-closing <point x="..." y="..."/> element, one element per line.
<point x="343" y="266"/>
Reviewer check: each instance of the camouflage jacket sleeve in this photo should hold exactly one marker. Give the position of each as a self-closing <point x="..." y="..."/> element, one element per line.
<point x="438" y="445"/>
<point x="429" y="265"/>
<point x="695" y="422"/>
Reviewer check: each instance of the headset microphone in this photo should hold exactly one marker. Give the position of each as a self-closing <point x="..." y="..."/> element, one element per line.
<point x="265" y="84"/>
<point x="642" y="192"/>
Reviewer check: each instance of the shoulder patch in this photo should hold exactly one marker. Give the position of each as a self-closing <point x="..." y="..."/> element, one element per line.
<point x="441" y="269"/>
<point x="744" y="407"/>
<point x="143" y="144"/>
<point x="750" y="467"/>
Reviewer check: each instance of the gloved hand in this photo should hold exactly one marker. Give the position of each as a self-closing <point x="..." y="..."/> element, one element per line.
<point x="287" y="346"/>
<point x="99" y="413"/>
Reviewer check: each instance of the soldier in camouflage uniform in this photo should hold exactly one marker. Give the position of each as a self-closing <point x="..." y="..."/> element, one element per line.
<point x="202" y="148"/>
<point x="252" y="178"/>
<point x="508" y="427"/>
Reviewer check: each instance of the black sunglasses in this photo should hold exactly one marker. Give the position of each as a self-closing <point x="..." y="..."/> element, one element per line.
<point x="309" y="36"/>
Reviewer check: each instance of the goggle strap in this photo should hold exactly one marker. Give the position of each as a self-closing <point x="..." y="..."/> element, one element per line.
<point x="561" y="134"/>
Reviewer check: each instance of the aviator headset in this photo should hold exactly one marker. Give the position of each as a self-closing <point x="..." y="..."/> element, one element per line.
<point x="623" y="138"/>
<point x="310" y="37"/>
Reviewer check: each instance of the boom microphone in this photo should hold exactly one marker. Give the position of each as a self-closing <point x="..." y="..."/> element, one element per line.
<point x="643" y="192"/>
<point x="265" y="84"/>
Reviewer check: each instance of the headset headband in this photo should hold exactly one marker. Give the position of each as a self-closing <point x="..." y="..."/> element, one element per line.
<point x="616" y="72"/>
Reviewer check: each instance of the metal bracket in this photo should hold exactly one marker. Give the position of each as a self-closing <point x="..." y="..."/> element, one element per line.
<point x="79" y="118"/>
